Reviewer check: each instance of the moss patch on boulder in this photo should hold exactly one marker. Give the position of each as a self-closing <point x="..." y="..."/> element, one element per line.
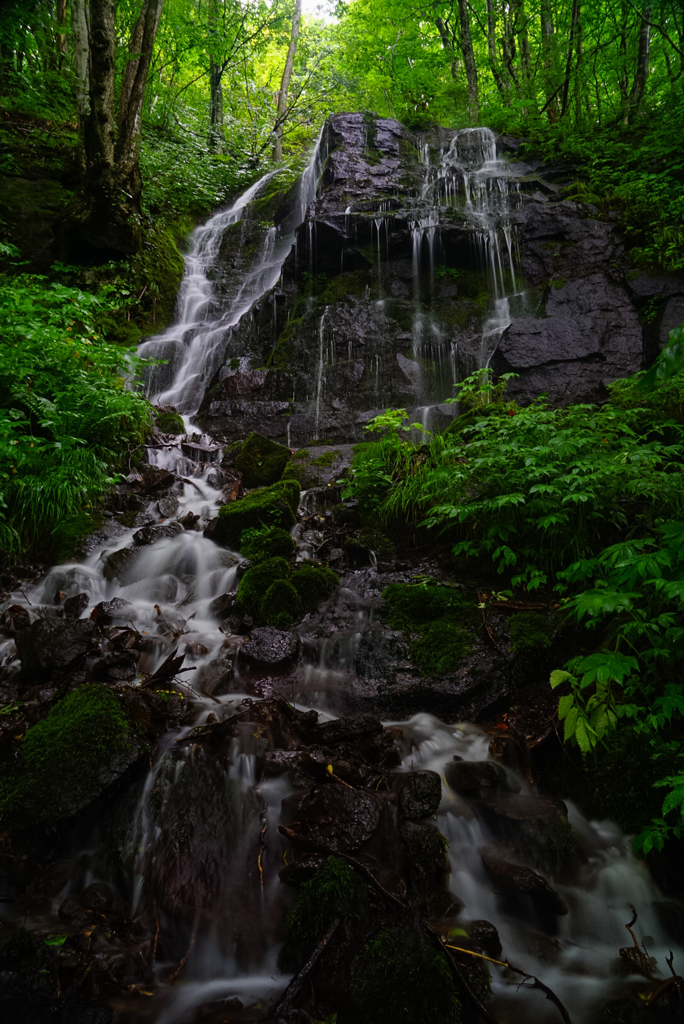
<point x="273" y="506"/>
<point x="530" y="632"/>
<point x="280" y="606"/>
<point x="314" y="584"/>
<point x="83" y="745"/>
<point x="255" y="584"/>
<point x="268" y="542"/>
<point x="437" y="621"/>
<point x="261" y="461"/>
<point x="170" y="422"/>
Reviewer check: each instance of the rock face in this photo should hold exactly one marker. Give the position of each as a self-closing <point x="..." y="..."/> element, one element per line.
<point x="413" y="266"/>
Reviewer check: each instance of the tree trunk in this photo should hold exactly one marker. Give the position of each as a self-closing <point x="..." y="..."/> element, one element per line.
<point x="548" y="57"/>
<point x="447" y="45"/>
<point x="128" y="142"/>
<point x="98" y="136"/>
<point x="215" y="84"/>
<point x="79" y="41"/>
<point x="281" y="110"/>
<point x="574" y="22"/>
<point x="61" y="14"/>
<point x="509" y="47"/>
<point x="469" y="61"/>
<point x="501" y="83"/>
<point x="128" y="76"/>
<point x="638" y="89"/>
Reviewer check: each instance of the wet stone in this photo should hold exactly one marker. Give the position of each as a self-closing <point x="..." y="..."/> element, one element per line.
<point x="349" y="729"/>
<point x="510" y="878"/>
<point x="168" y="506"/>
<point x="152" y="533"/>
<point x="341" y="818"/>
<point x="98" y="897"/>
<point x="50" y="644"/>
<point x="419" y="793"/>
<point x="15" y="618"/>
<point x="484" y="935"/>
<point x="270" y="648"/>
<point x="473" y="777"/>
<point x="73" y="913"/>
<point x="73" y="606"/>
<point x="105" y="612"/>
<point x="301" y="870"/>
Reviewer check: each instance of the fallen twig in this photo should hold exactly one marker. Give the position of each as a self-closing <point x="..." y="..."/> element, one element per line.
<point x="183" y="960"/>
<point x="284" y="1004"/>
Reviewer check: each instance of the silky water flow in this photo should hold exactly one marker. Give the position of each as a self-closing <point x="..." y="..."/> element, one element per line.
<point x="229" y="944"/>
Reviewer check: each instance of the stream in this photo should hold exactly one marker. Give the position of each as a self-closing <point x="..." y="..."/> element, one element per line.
<point x="227" y="870"/>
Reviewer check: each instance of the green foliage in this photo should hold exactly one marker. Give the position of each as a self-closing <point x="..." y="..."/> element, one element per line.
<point x="68" y="408"/>
<point x="267" y="542"/>
<point x="261" y="461"/>
<point x="530" y="632"/>
<point x="479" y="390"/>
<point x="267" y="507"/>
<point x="400" y="978"/>
<point x="66" y="759"/>
<point x="314" y="584"/>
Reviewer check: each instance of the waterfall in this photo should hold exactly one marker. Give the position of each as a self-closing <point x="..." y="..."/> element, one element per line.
<point x="193" y="347"/>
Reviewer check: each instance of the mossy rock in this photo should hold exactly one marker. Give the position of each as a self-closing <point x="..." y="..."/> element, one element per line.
<point x="375" y="540"/>
<point x="437" y="620"/>
<point x="256" y="582"/>
<point x="268" y="506"/>
<point x="440" y="648"/>
<point x="66" y="760"/>
<point x="399" y="977"/>
<point x="314" y="584"/>
<point x="170" y="422"/>
<point x="280" y="605"/>
<point x="127" y="333"/>
<point x="530" y="632"/>
<point x="269" y="542"/>
<point x="336" y="890"/>
<point x="261" y="461"/>
<point x="158" y="269"/>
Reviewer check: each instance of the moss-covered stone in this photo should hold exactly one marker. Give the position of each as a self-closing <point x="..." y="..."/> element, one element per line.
<point x="256" y="582"/>
<point x="530" y="632"/>
<point x="440" y="648"/>
<point x="399" y="977"/>
<point x="336" y="890"/>
<point x="314" y="584"/>
<point x="280" y="605"/>
<point x="268" y="506"/>
<point x="261" y="461"/>
<point x="437" y="620"/>
<point x="375" y="540"/>
<point x="83" y="744"/>
<point x="269" y="542"/>
<point x="170" y="422"/>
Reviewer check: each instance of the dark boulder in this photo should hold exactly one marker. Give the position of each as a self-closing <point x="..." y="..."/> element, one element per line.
<point x="15" y="618"/>
<point x="339" y="817"/>
<point x="105" y="612"/>
<point x="419" y="793"/>
<point x="424" y="858"/>
<point x="159" y="531"/>
<point x="515" y="879"/>
<point x="73" y="606"/>
<point x="73" y="913"/>
<point x="348" y="729"/>
<point x="538" y="827"/>
<point x="269" y="648"/>
<point x="476" y="778"/>
<point x="50" y="644"/>
<point x="99" y="897"/>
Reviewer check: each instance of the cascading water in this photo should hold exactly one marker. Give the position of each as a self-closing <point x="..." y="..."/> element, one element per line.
<point x="203" y="845"/>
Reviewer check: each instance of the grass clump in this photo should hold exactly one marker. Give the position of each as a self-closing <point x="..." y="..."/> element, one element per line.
<point x="530" y="632"/>
<point x="68" y="758"/>
<point x="261" y="461"/>
<point x="400" y="978"/>
<point x="273" y="506"/>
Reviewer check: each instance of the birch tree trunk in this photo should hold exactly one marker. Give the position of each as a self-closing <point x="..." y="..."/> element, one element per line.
<point x="638" y="89"/>
<point x="281" y="110"/>
<point x="469" y="61"/>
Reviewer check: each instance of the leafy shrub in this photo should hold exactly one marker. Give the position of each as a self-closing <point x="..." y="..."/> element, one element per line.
<point x="68" y="408"/>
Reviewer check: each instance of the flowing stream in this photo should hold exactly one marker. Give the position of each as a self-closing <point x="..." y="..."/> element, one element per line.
<point x="236" y="931"/>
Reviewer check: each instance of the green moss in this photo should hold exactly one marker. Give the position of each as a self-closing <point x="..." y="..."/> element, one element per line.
<point x="261" y="461"/>
<point x="255" y="583"/>
<point x="158" y="269"/>
<point x="437" y="620"/>
<point x="64" y="540"/>
<point x="269" y="542"/>
<point x="440" y="648"/>
<point x="530" y="632"/>
<point x="400" y="978"/>
<point x="344" y="286"/>
<point x="269" y="506"/>
<point x="280" y="605"/>
<point x="375" y="540"/>
<point x="67" y="759"/>
<point x="170" y="422"/>
<point x="300" y="472"/>
<point x="336" y="890"/>
<point x="303" y="453"/>
<point x="314" y="584"/>
<point x="326" y="459"/>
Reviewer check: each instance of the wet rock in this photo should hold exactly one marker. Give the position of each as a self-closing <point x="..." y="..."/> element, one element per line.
<point x="478" y="777"/>
<point x="424" y="857"/>
<point x="348" y="729"/>
<point x="223" y="606"/>
<point x="168" y="506"/>
<point x="120" y="565"/>
<point x="537" y="825"/>
<point x="484" y="935"/>
<point x="27" y="969"/>
<point x="269" y="648"/>
<point x="510" y="878"/>
<point x="419" y="793"/>
<point x="115" y="666"/>
<point x="261" y="461"/>
<point x="73" y="913"/>
<point x="50" y="644"/>
<point x="301" y="870"/>
<point x="341" y="818"/>
<point x="153" y="479"/>
<point x="151" y="534"/>
<point x="98" y="896"/>
<point x="105" y="612"/>
<point x="440" y="905"/>
<point x="15" y="618"/>
<point x="74" y="606"/>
